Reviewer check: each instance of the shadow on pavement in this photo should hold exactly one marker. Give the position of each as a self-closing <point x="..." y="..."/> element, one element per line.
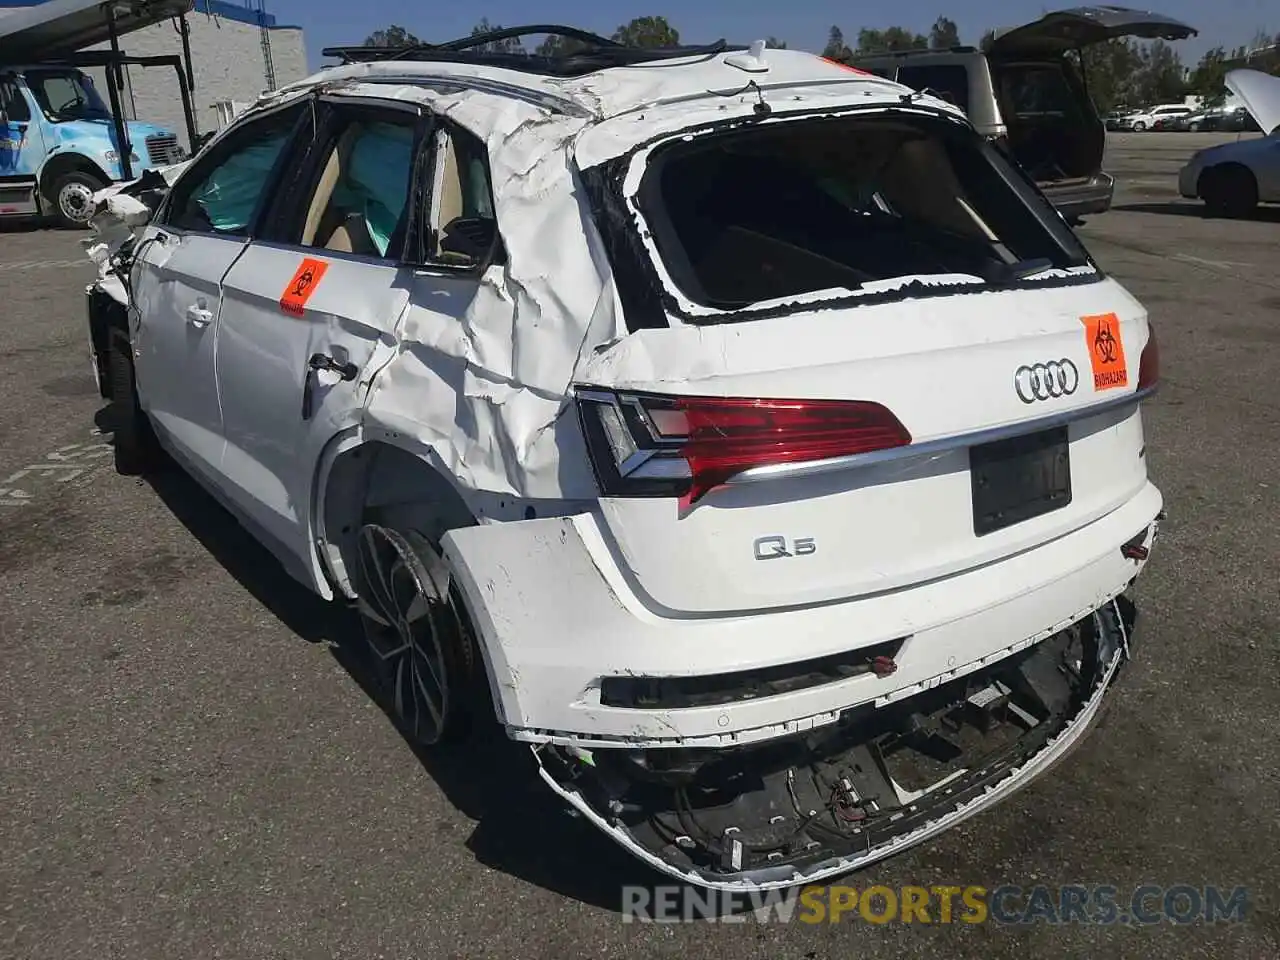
<point x="1196" y="210"/>
<point x="522" y="828"/>
<point x="34" y="225"/>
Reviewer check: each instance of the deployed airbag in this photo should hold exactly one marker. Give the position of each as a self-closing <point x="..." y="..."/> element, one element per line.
<point x="231" y="193"/>
<point x="368" y="187"/>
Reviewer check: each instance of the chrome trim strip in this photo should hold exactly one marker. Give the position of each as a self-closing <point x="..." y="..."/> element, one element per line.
<point x="940" y="445"/>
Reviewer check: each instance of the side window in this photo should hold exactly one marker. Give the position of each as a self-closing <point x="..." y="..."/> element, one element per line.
<point x="360" y="203"/>
<point x="13" y="105"/>
<point x="223" y="194"/>
<point x="464" y="228"/>
<point x="948" y="81"/>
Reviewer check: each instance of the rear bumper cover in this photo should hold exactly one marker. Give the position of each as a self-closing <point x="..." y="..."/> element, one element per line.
<point x="1078" y="199"/>
<point x="555" y="619"/>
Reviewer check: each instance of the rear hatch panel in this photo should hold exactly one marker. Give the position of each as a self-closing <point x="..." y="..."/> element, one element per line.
<point x="1078" y="27"/>
<point x="958" y="373"/>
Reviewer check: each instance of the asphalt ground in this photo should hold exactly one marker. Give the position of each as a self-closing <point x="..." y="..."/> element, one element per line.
<point x="191" y="766"/>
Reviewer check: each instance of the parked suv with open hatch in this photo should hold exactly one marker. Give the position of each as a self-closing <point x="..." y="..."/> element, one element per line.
<point x="1029" y="95"/>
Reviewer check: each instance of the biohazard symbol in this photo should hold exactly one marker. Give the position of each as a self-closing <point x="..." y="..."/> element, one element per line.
<point x="304" y="281"/>
<point x="1105" y="343"/>
<point x="302" y="286"/>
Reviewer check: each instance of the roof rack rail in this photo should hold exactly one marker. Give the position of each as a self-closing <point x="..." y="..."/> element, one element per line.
<point x="508" y="33"/>
<point x="913" y="52"/>
<point x="591" y="52"/>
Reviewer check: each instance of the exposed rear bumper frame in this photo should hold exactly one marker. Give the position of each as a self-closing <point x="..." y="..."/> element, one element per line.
<point x="928" y="814"/>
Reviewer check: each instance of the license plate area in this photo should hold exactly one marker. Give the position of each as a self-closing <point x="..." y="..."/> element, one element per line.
<point x="1017" y="479"/>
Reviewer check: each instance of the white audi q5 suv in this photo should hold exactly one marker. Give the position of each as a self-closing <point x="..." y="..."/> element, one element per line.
<point x="741" y="431"/>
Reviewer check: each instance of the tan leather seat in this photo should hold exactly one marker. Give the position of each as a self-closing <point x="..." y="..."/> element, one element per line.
<point x="351" y="235"/>
<point x="327" y="226"/>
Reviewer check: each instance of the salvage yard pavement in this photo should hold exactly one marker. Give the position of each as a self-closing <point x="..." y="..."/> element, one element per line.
<point x="191" y="765"/>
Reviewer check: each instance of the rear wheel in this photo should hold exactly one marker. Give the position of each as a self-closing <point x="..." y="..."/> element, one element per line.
<point x="1230" y="191"/>
<point x="136" y="448"/>
<point x="418" y="636"/>
<point x="73" y="198"/>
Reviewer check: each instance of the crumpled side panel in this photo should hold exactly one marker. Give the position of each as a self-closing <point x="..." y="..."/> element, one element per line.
<point x="486" y="387"/>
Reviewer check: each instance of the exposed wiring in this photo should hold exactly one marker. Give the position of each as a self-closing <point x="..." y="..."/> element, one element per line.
<point x="761" y="108"/>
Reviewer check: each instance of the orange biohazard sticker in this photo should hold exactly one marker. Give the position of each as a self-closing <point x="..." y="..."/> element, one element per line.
<point x="302" y="286"/>
<point x="1105" y="344"/>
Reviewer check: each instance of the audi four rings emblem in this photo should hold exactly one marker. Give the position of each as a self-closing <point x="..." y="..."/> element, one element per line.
<point x="1041" y="381"/>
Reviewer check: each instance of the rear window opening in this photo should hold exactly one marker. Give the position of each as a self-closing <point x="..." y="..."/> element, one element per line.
<point x="785" y="209"/>
<point x="1054" y="132"/>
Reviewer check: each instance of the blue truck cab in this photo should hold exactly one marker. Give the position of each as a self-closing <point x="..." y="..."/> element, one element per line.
<point x="59" y="145"/>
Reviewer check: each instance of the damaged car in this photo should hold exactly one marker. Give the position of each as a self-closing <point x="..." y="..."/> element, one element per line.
<point x="745" y="434"/>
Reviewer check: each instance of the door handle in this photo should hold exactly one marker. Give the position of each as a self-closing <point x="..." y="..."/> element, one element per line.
<point x="318" y="362"/>
<point x="198" y="316"/>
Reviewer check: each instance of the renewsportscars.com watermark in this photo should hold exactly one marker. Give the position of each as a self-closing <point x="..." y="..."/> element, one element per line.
<point x="1143" y="905"/>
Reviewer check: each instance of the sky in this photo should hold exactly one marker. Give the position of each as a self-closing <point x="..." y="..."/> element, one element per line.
<point x="802" y="23"/>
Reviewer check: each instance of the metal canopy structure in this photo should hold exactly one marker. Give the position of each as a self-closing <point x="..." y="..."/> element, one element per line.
<point x="59" y="30"/>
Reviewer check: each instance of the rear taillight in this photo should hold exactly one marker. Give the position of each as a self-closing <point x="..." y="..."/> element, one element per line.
<point x="655" y="445"/>
<point x="1149" y="364"/>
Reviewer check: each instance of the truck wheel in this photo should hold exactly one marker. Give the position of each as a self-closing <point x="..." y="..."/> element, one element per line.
<point x="1230" y="191"/>
<point x="73" y="198"/>
<point x="136" y="449"/>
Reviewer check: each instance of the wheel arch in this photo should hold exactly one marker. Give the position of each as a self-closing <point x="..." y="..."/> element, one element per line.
<point x="1221" y="168"/>
<point x="60" y="164"/>
<point x="399" y="480"/>
<point x="410" y="492"/>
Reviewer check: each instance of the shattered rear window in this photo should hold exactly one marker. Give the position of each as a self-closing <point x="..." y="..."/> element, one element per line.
<point x="783" y="209"/>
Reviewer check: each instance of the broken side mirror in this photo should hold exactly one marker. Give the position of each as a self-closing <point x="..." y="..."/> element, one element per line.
<point x="471" y="237"/>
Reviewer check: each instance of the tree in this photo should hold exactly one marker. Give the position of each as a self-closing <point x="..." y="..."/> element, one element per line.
<point x="944" y="34"/>
<point x="647" y="32"/>
<point x="1110" y="69"/>
<point x="1207" y="78"/>
<point x="557" y="46"/>
<point x="987" y="40"/>
<point x="392" y="36"/>
<point x="509" y="45"/>
<point x="835" y="48"/>
<point x="892" y="38"/>
<point x="1161" y="78"/>
<point x="776" y="44"/>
